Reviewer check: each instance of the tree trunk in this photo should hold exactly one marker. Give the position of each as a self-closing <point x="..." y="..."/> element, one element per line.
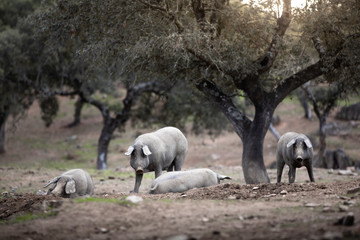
<point x="322" y="139"/>
<point x="303" y="99"/>
<point x="77" y="114"/>
<point x="103" y="143"/>
<point x="2" y="132"/>
<point x="253" y="158"/>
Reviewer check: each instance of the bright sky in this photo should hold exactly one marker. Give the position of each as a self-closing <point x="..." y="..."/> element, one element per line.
<point x="294" y="3"/>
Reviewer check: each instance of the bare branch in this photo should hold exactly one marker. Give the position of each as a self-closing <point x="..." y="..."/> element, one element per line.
<point x="296" y="80"/>
<point x="265" y="62"/>
<point x="167" y="13"/>
<point x="225" y="103"/>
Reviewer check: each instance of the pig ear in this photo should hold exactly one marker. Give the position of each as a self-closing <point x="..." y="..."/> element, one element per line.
<point x="146" y="150"/>
<point x="129" y="151"/>
<point x="291" y="143"/>
<point x="55" y="180"/>
<point x="308" y="143"/>
<point x="70" y="187"/>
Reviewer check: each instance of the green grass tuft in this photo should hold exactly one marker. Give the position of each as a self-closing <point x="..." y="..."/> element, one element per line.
<point x="28" y="217"/>
<point x="121" y="201"/>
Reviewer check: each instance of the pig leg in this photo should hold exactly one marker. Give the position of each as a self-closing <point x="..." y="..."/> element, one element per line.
<point x="137" y="182"/>
<point x="172" y="166"/>
<point x="292" y="173"/>
<point x="179" y="160"/>
<point x="280" y="166"/>
<point x="310" y="172"/>
<point x="158" y="172"/>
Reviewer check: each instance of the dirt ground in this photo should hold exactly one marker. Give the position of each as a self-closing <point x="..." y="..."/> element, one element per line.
<point x="326" y="209"/>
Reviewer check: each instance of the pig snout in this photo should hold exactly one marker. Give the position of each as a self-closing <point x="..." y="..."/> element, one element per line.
<point x="299" y="159"/>
<point x="139" y="170"/>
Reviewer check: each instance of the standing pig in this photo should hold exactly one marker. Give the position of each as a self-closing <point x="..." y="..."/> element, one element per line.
<point x="73" y="183"/>
<point x="164" y="149"/>
<point x="184" y="180"/>
<point x="295" y="150"/>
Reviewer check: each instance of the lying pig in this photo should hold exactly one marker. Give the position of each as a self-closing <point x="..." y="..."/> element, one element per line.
<point x="73" y="183"/>
<point x="295" y="150"/>
<point x="182" y="181"/>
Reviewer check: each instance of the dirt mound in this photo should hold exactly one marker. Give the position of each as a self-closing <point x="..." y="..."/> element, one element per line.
<point x="23" y="203"/>
<point x="247" y="192"/>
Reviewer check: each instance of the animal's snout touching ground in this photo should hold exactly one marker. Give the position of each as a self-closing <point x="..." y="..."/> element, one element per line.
<point x="139" y="171"/>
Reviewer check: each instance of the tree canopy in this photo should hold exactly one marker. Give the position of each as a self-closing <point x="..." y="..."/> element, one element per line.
<point x="222" y="49"/>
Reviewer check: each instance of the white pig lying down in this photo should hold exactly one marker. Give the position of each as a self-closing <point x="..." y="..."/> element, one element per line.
<point x="182" y="181"/>
<point x="71" y="184"/>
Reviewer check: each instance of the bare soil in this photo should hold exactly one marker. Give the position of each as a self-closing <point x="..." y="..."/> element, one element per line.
<point x="326" y="209"/>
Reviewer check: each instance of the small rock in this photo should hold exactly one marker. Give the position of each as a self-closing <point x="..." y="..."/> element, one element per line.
<point x="343" y="208"/>
<point x="134" y="199"/>
<point x="72" y="138"/>
<point x="103" y="230"/>
<point x="52" y="203"/>
<point x="255" y="188"/>
<point x="232" y="197"/>
<point x="178" y="237"/>
<point x="205" y="219"/>
<point x="346" y="173"/>
<point x="41" y="192"/>
<point x="312" y="205"/>
<point x="6" y="193"/>
<point x="283" y="192"/>
<point x="183" y="195"/>
<point x="111" y="177"/>
<point x="327" y="209"/>
<point x="331" y="171"/>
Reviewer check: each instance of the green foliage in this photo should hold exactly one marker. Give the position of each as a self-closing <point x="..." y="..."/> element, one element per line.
<point x="49" y="108"/>
<point x="12" y="10"/>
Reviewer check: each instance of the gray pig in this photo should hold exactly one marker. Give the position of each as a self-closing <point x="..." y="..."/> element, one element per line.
<point x="295" y="150"/>
<point x="73" y="183"/>
<point x="184" y="180"/>
<point x="164" y="149"/>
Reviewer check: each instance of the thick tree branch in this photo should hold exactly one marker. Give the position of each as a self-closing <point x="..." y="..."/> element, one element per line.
<point x="296" y="80"/>
<point x="265" y="62"/>
<point x="225" y="103"/>
<point x="199" y="12"/>
<point x="167" y="12"/>
<point x="133" y="93"/>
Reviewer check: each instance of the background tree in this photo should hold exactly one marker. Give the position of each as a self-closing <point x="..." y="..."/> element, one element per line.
<point x="14" y="63"/>
<point x="221" y="48"/>
<point x="323" y="99"/>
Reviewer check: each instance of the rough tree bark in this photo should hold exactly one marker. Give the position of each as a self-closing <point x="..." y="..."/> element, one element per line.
<point x="252" y="133"/>
<point x="3" y="117"/>
<point x="77" y="114"/>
